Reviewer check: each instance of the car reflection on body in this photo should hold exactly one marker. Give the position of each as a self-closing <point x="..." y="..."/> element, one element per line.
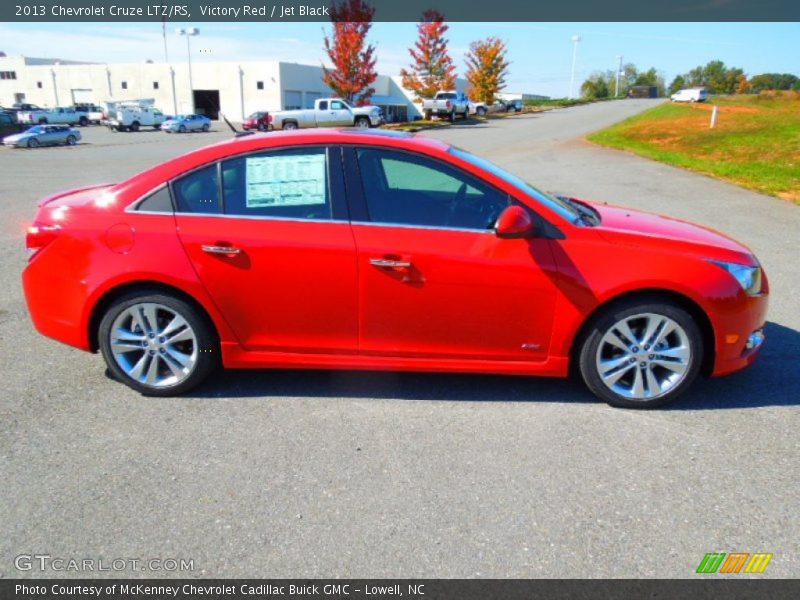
<point x="186" y="123"/>
<point x="43" y="135"/>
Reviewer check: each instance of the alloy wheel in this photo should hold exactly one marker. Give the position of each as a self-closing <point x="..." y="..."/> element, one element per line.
<point x="643" y="356"/>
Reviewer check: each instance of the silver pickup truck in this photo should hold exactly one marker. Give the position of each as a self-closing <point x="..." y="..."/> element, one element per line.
<point x="328" y="112"/>
<point x="449" y="104"/>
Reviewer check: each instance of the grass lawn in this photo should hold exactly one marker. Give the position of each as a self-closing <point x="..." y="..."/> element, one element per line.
<point x="755" y="144"/>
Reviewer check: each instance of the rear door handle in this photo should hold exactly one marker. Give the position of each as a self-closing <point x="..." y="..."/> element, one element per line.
<point x="387" y="263"/>
<point x="228" y="250"/>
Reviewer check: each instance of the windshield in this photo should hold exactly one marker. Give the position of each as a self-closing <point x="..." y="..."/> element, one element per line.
<point x="558" y="205"/>
<point x="257" y="115"/>
<point x="37" y="129"/>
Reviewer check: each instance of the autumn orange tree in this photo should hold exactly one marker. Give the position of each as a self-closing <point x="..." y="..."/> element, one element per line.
<point x="353" y="59"/>
<point x="487" y="68"/>
<point x="432" y="68"/>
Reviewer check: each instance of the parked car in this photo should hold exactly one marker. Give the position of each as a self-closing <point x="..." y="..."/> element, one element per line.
<point x="9" y="124"/>
<point x="352" y="249"/>
<point x="88" y="114"/>
<point x="258" y="120"/>
<point x="513" y="105"/>
<point x="482" y="108"/>
<point x="328" y="112"/>
<point x="184" y="123"/>
<point x="690" y="95"/>
<point x="450" y="104"/>
<point x="132" y="117"/>
<point x="43" y="135"/>
<point x="56" y="116"/>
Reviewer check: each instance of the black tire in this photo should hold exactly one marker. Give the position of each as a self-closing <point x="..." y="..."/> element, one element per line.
<point x="205" y="128"/>
<point x="33" y="143"/>
<point x="135" y="126"/>
<point x="362" y="123"/>
<point x="452" y="116"/>
<point x="428" y="115"/>
<point x="207" y="351"/>
<point x="43" y="121"/>
<point x="590" y="344"/>
<point x="182" y="129"/>
<point x="291" y="125"/>
<point x="71" y="140"/>
<point x="83" y="122"/>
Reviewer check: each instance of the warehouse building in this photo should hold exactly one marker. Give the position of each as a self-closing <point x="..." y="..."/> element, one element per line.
<point x="233" y="88"/>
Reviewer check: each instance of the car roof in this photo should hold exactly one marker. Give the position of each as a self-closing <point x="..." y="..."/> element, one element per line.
<point x="147" y="180"/>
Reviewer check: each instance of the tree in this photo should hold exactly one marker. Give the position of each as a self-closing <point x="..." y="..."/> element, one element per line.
<point x="677" y="84"/>
<point x="432" y="69"/>
<point x="353" y="59"/>
<point x="597" y="85"/>
<point x="716" y="76"/>
<point x="773" y="81"/>
<point x="742" y="85"/>
<point x="487" y="68"/>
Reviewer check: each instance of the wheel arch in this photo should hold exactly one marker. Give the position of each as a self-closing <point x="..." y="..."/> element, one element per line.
<point x="651" y="294"/>
<point x="116" y="292"/>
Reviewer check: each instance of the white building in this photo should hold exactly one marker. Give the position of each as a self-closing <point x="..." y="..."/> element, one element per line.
<point x="233" y="88"/>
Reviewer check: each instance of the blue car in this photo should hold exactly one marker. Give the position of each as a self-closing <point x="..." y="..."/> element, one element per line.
<point x="184" y="123"/>
<point x="43" y="135"/>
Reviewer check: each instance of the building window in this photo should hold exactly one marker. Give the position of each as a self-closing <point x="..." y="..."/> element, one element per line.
<point x="8" y="74"/>
<point x="39" y="84"/>
<point x="259" y="85"/>
<point x="124" y="85"/>
<point x="155" y="85"/>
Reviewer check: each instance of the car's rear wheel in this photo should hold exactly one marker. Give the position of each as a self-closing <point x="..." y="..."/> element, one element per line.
<point x="182" y="129"/>
<point x="157" y="344"/>
<point x="33" y="143"/>
<point x="83" y="122"/>
<point x="290" y="125"/>
<point x="481" y="111"/>
<point x="71" y="140"/>
<point x="135" y="126"/>
<point x="205" y="127"/>
<point x="641" y="354"/>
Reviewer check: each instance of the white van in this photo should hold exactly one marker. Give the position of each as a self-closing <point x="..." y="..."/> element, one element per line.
<point x="130" y="117"/>
<point x="690" y="95"/>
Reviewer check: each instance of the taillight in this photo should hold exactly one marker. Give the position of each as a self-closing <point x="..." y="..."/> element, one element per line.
<point x="269" y="118"/>
<point x="448" y="104"/>
<point x="39" y="236"/>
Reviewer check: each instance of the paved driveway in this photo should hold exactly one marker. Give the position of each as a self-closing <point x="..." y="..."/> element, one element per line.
<point x="303" y="474"/>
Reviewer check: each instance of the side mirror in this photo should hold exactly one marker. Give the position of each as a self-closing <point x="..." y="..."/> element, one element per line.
<point x="514" y="222"/>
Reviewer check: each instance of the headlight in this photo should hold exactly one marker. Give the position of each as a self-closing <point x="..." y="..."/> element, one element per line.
<point x="748" y="277"/>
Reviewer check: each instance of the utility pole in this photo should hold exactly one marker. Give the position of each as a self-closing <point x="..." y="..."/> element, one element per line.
<point x="189" y="32"/>
<point x="619" y="72"/>
<point x="575" y="41"/>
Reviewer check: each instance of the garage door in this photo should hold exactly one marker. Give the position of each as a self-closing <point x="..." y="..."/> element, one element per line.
<point x="310" y="98"/>
<point x="85" y="96"/>
<point x="292" y="100"/>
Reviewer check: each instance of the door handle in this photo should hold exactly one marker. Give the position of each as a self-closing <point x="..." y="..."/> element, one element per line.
<point x="387" y="263"/>
<point x="227" y="250"/>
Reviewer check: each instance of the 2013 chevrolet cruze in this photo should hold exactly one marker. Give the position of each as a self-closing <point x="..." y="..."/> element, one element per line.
<point x="369" y="250"/>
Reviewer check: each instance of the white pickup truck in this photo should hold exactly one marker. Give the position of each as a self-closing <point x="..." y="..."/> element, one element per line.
<point x="53" y="116"/>
<point x="328" y="112"/>
<point x="450" y="104"/>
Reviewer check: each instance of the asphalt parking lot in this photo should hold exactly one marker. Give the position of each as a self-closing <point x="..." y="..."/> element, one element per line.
<point x="315" y="474"/>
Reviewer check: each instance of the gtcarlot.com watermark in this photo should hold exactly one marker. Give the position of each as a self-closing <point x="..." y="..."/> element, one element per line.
<point x="59" y="564"/>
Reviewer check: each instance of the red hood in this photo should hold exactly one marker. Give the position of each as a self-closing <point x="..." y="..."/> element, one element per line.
<point x="626" y="226"/>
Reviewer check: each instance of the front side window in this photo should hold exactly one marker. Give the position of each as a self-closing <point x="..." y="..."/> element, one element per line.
<point x="408" y="189"/>
<point x="337" y="105"/>
<point x="198" y="192"/>
<point x="291" y="184"/>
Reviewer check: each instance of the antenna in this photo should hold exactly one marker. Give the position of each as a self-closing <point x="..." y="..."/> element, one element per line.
<point x="235" y="131"/>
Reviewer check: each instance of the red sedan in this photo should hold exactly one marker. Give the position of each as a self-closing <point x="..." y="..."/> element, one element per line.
<point x="370" y="250"/>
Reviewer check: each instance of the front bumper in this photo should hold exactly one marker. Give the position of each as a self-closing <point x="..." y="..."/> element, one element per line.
<point x="740" y="335"/>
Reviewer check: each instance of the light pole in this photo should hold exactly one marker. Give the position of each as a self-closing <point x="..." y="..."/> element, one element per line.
<point x="575" y="40"/>
<point x="189" y="32"/>
<point x="619" y="72"/>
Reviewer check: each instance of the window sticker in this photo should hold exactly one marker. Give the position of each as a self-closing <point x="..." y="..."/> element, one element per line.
<point x="285" y="180"/>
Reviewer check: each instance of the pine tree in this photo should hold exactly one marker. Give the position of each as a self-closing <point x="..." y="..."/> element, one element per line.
<point x="353" y="59"/>
<point x="432" y="68"/>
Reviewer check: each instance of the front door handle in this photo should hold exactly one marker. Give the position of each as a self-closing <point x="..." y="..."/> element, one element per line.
<point x="388" y="263"/>
<point x="227" y="250"/>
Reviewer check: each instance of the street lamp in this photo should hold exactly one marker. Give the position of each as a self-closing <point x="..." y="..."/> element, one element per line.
<point x="575" y="41"/>
<point x="189" y="32"/>
<point x="619" y="72"/>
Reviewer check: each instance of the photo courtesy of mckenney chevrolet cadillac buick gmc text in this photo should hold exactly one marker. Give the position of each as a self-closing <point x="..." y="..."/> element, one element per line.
<point x="358" y="249"/>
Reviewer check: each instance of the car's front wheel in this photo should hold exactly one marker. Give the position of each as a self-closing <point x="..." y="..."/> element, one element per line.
<point x="641" y="354"/>
<point x="71" y="140"/>
<point x="157" y="344"/>
<point x="33" y="143"/>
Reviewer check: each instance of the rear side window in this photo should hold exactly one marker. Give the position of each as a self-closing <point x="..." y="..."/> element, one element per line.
<point x="290" y="184"/>
<point x="158" y="201"/>
<point x="198" y="192"/>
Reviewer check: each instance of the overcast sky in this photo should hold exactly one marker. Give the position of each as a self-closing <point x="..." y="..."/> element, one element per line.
<point x="540" y="53"/>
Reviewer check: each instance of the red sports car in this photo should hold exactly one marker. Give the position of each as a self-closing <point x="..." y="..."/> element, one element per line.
<point x="361" y="249"/>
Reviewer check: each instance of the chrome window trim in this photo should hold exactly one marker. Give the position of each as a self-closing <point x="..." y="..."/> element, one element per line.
<point x="424" y="227"/>
<point x="258" y="218"/>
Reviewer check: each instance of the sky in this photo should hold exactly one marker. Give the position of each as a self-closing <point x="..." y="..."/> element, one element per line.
<point x="540" y="53"/>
